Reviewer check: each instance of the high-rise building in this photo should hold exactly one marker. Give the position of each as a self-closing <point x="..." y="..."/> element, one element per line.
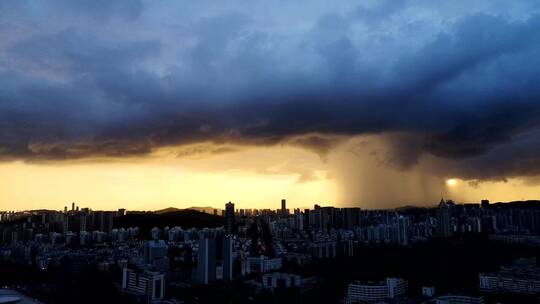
<point x="444" y="219"/>
<point x="206" y="267"/>
<point x="74" y="222"/>
<point x="103" y="220"/>
<point x="323" y="249"/>
<point x="403" y="231"/>
<point x="228" y="258"/>
<point x="155" y="233"/>
<point x="155" y="253"/>
<point x="298" y="220"/>
<point x="14" y="237"/>
<point x="65" y="223"/>
<point x="229" y="218"/>
<point x="83" y="221"/>
<point x="351" y="217"/>
<point x="284" y="211"/>
<point x="324" y="218"/>
<point x="307" y="221"/>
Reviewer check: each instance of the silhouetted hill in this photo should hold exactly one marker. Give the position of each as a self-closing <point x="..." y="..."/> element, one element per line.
<point x="527" y="204"/>
<point x="168" y="210"/>
<point x="182" y="218"/>
<point x="410" y="207"/>
<point x="530" y="204"/>
<point x="209" y="210"/>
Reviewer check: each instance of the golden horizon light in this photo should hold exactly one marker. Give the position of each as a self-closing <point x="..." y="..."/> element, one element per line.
<point x="451" y="182"/>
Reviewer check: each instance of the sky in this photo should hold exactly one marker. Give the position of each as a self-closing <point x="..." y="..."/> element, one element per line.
<point x="377" y="104"/>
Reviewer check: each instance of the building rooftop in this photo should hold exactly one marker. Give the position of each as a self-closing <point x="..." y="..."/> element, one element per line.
<point x="8" y="296"/>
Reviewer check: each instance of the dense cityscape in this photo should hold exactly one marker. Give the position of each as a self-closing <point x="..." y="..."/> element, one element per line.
<point x="269" y="152"/>
<point x="449" y="253"/>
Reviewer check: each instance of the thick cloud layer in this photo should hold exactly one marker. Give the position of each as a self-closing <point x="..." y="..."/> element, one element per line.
<point x="456" y="80"/>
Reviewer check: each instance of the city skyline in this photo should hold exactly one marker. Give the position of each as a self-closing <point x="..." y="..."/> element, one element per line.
<point x="324" y="254"/>
<point x="274" y="207"/>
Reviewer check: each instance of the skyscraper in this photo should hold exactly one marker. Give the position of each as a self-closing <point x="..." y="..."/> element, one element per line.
<point x="206" y="267"/>
<point x="298" y="220"/>
<point x="444" y="219"/>
<point x="103" y="220"/>
<point x="403" y="231"/>
<point x="228" y="258"/>
<point x="229" y="218"/>
<point x="154" y="250"/>
<point x="351" y="217"/>
<point x="284" y="207"/>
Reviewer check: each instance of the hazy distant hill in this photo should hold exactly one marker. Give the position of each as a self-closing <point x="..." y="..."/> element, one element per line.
<point x="409" y="207"/>
<point x="167" y="210"/>
<point x="209" y="210"/>
<point x="182" y="218"/>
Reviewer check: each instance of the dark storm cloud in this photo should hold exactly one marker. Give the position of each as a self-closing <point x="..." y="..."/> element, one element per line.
<point x="518" y="158"/>
<point x="117" y="78"/>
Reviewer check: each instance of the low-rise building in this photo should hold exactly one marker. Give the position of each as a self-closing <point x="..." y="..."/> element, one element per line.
<point x="263" y="264"/>
<point x="278" y="279"/>
<point x="458" y="299"/>
<point x="390" y="290"/>
<point x="149" y="286"/>
<point x="523" y="277"/>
